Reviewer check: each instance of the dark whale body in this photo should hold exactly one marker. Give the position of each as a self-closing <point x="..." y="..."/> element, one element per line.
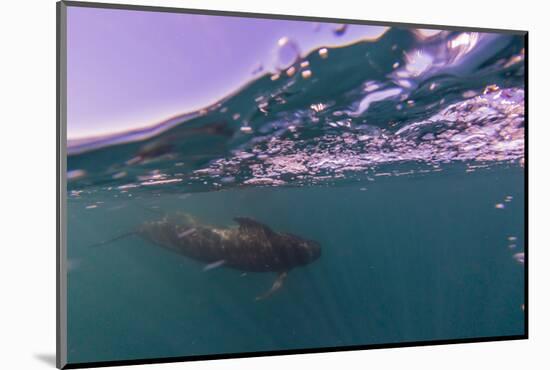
<point x="250" y="247"/>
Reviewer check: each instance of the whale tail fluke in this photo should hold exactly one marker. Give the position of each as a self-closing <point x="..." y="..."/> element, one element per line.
<point x="116" y="238"/>
<point x="277" y="284"/>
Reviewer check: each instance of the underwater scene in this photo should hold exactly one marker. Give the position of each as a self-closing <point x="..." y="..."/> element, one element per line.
<point x="290" y="185"/>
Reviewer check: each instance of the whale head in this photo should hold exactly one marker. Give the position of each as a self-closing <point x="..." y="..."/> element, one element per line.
<point x="299" y="251"/>
<point x="311" y="250"/>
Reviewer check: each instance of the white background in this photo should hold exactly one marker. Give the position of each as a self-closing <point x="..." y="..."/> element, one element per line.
<point x="27" y="193"/>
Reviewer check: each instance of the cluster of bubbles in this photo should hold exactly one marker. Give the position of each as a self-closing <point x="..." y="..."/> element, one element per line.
<point x="512" y="240"/>
<point x="485" y="128"/>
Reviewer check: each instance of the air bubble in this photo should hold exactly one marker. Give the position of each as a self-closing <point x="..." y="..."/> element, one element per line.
<point x="520" y="257"/>
<point x="318" y="107"/>
<point x="290" y="72"/>
<point x="288" y="53"/>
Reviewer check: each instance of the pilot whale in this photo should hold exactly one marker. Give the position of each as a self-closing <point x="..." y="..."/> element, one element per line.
<point x="249" y="247"/>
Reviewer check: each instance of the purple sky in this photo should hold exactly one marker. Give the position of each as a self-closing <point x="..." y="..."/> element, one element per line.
<point x="129" y="69"/>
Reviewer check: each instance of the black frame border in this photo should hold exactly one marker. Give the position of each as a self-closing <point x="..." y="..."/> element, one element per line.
<point x="61" y="124"/>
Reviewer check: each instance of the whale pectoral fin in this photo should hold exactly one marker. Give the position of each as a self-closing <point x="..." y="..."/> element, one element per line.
<point x="277" y="284"/>
<point x="213" y="265"/>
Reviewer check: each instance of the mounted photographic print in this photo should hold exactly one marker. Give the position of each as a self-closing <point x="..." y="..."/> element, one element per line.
<point x="235" y="185"/>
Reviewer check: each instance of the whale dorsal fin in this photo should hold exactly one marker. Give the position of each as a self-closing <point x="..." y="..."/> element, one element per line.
<point x="249" y="224"/>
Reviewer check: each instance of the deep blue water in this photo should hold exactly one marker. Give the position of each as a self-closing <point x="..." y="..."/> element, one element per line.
<point x="421" y="259"/>
<point x="402" y="157"/>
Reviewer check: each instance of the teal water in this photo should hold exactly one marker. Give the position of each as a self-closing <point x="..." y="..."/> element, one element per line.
<point x="418" y="259"/>
<point x="403" y="157"/>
